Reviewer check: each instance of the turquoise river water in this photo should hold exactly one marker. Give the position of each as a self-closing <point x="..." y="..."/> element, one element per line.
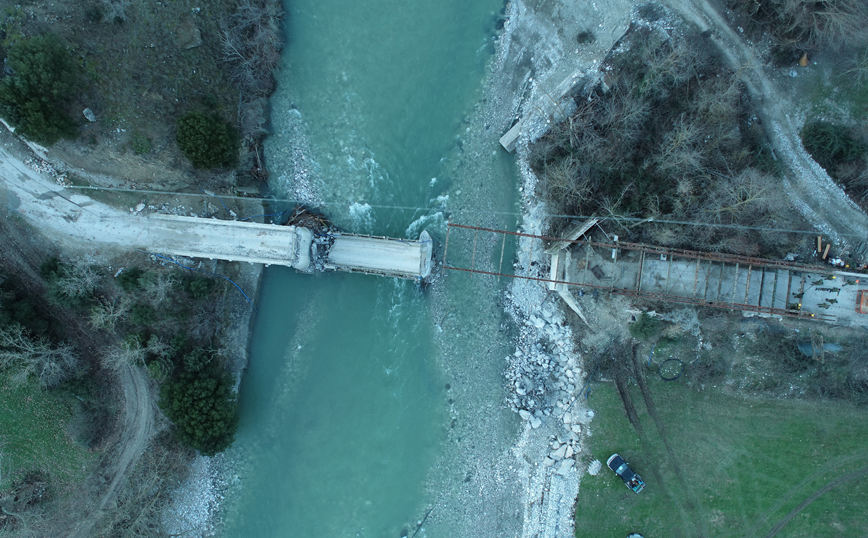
<point x="349" y="398"/>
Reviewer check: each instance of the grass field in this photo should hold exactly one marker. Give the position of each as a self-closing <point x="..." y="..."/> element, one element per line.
<point x="34" y="437"/>
<point x="719" y="465"/>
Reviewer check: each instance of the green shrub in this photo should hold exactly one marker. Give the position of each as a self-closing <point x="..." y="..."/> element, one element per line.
<point x="128" y="280"/>
<point x="644" y="327"/>
<point x="140" y="143"/>
<point x="199" y="287"/>
<point x="142" y="314"/>
<point x="197" y="360"/>
<point x="830" y="144"/>
<point x="43" y="82"/>
<point x="207" y="140"/>
<point x="203" y="409"/>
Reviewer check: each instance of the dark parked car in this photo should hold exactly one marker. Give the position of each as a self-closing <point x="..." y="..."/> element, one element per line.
<point x="631" y="479"/>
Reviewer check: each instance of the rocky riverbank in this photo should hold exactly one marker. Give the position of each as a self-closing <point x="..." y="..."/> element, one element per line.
<point x="565" y="43"/>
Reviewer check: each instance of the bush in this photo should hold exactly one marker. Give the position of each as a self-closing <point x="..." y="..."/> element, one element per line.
<point x="203" y="408"/>
<point x="142" y="314"/>
<point x="808" y="23"/>
<point x="140" y="143"/>
<point x="128" y="280"/>
<point x="207" y="140"/>
<point x="643" y="328"/>
<point x="43" y="82"/>
<point x="831" y="145"/>
<point x="199" y="287"/>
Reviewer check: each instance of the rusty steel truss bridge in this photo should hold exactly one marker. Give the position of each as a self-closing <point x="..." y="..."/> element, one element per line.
<point x="732" y="282"/>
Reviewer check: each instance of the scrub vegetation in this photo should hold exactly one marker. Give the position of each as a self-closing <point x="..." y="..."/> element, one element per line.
<point x="841" y="151"/>
<point x="798" y="26"/>
<point x="58" y="401"/>
<point x="673" y="138"/>
<point x="42" y="81"/>
<point x="180" y="57"/>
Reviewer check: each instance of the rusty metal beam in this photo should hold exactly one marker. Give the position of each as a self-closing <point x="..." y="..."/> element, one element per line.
<point x="662" y="297"/>
<point x="657" y="250"/>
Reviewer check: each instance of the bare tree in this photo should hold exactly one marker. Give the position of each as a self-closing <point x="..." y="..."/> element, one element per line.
<point x="129" y="352"/>
<point x="140" y="505"/>
<point x="680" y="151"/>
<point x="252" y="42"/>
<point x="207" y="318"/>
<point x="159" y="287"/>
<point x="77" y="280"/>
<point x="132" y="351"/>
<point x="108" y="313"/>
<point x="28" y="356"/>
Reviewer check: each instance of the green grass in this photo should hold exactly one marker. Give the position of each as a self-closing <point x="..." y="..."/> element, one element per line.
<point x="34" y="437"/>
<point x="745" y="465"/>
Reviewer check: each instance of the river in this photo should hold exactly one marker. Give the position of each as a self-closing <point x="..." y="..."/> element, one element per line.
<point x="366" y="396"/>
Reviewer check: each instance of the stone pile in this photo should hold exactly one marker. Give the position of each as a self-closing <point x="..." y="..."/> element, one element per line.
<point x="544" y="379"/>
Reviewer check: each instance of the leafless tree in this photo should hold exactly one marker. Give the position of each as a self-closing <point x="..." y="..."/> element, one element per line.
<point x="129" y="352"/>
<point x="108" y="313"/>
<point x="77" y="280"/>
<point x="27" y="356"/>
<point x="159" y="287"/>
<point x="251" y="42"/>
<point x="139" y="507"/>
<point x="681" y="151"/>
<point x="207" y="318"/>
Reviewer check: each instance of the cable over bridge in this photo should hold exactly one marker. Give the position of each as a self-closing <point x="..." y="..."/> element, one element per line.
<point x="751" y="285"/>
<point x="291" y="246"/>
<point x="65" y="213"/>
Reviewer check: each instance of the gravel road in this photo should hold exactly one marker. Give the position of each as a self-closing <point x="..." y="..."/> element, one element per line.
<point x="812" y="191"/>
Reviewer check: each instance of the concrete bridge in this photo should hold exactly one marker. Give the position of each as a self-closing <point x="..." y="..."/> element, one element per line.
<point x="65" y="213"/>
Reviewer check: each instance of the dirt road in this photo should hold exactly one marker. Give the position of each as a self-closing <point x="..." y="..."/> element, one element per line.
<point x="49" y="208"/>
<point x="134" y="438"/>
<point x="810" y="188"/>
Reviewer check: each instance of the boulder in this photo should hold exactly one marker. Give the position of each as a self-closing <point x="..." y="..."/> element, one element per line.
<point x="535" y="422"/>
<point x="88" y="113"/>
<point x="524" y="414"/>
<point x="568" y="418"/>
<point x="564" y="467"/>
<point x="560" y="453"/>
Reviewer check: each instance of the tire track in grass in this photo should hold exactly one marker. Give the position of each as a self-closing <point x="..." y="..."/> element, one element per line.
<point x="816" y="495"/>
<point x="693" y="505"/>
<point x="633" y="417"/>
<point x="828" y="467"/>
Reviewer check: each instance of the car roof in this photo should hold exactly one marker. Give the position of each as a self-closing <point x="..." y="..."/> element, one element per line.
<point x="615" y="461"/>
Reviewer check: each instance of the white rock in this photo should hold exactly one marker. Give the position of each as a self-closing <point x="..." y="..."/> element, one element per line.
<point x="535" y="422"/>
<point x="568" y="418"/>
<point x="88" y="113"/>
<point x="548" y="462"/>
<point x="565" y="467"/>
<point x="538" y="323"/>
<point x="140" y="207"/>
<point x="594" y="468"/>
<point x="560" y="453"/>
<point x="524" y="414"/>
<point x="577" y="428"/>
<point x="569" y="452"/>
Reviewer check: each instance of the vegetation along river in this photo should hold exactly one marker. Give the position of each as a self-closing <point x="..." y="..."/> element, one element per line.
<point x="370" y="402"/>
